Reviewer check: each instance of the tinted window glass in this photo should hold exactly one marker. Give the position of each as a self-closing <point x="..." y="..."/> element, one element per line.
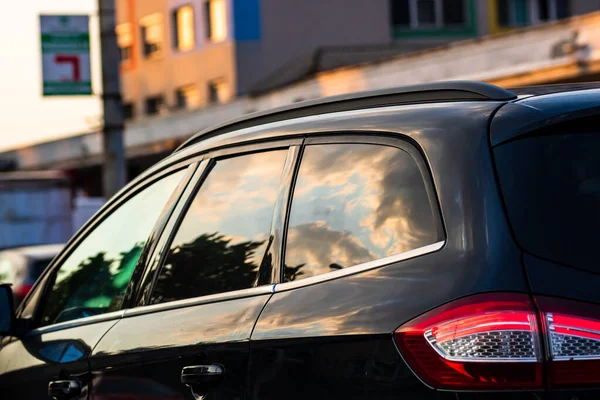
<point x="454" y="12"/>
<point x="93" y="279"/>
<point x="543" y="9"/>
<point x="355" y="203"/>
<point x="551" y="185"/>
<point x="562" y="9"/>
<point x="503" y="11"/>
<point x="400" y="12"/>
<point x="426" y="12"/>
<point x="222" y="239"/>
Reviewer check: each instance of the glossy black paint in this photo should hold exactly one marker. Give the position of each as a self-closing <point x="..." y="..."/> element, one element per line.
<point x="28" y="364"/>
<point x="575" y="283"/>
<point x="537" y="112"/>
<point x="345" y="367"/>
<point x="156" y="342"/>
<point x="361" y="311"/>
<point x="542" y="114"/>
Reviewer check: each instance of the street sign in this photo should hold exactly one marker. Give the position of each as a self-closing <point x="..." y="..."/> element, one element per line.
<point x="65" y="55"/>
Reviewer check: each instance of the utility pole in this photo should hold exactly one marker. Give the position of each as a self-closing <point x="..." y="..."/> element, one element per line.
<point x="114" y="171"/>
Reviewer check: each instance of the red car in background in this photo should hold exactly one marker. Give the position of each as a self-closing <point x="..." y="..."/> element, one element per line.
<point x="21" y="266"/>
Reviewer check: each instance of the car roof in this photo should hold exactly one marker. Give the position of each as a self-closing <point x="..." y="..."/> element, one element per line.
<point x="549" y="100"/>
<point x="413" y="94"/>
<point x="37" y="252"/>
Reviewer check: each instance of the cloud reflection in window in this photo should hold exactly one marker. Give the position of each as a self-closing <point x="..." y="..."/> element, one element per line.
<point x="354" y="203"/>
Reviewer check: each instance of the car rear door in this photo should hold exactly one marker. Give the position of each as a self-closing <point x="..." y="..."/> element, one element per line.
<point x="211" y="275"/>
<point x="363" y="210"/>
<point x="82" y="295"/>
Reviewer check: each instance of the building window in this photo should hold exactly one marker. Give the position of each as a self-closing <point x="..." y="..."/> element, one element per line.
<point x="125" y="41"/>
<point x="184" y="32"/>
<point x="128" y="111"/>
<point x="512" y="13"/>
<point x="428" y="13"/>
<point x="550" y="10"/>
<point x="215" y="20"/>
<point x="154" y="104"/>
<point x="152" y="35"/>
<point x="187" y="97"/>
<point x="218" y="91"/>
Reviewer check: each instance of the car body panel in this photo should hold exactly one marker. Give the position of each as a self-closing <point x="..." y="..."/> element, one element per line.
<point x="518" y="118"/>
<point x="350" y="320"/>
<point x="156" y="345"/>
<point x="28" y="364"/>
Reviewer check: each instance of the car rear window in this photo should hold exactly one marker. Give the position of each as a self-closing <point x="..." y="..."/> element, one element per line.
<point x="551" y="187"/>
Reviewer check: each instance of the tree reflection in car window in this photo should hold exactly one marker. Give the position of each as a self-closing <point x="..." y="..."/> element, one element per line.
<point x="223" y="237"/>
<point x="355" y="203"/>
<point x="93" y="279"/>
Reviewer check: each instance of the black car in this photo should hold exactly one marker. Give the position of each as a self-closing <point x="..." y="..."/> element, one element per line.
<point x="427" y="242"/>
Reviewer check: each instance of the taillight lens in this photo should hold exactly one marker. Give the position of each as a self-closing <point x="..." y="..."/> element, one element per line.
<point x="572" y="332"/>
<point x="493" y="342"/>
<point x="22" y="290"/>
<point x="488" y="341"/>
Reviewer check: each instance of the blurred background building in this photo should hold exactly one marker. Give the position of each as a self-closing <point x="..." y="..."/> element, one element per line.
<point x="190" y="64"/>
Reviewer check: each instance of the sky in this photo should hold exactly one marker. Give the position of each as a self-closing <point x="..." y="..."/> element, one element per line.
<point x="26" y="117"/>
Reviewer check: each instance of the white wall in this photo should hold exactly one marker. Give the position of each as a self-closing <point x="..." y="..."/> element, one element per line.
<point x="26" y="117"/>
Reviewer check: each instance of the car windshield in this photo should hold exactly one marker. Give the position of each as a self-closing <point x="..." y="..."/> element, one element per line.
<point x="551" y="186"/>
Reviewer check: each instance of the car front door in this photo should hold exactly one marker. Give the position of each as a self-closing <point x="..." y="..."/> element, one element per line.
<point x="214" y="276"/>
<point x="81" y="296"/>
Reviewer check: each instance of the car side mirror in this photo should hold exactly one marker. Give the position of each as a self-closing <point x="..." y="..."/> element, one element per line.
<point x="7" y="310"/>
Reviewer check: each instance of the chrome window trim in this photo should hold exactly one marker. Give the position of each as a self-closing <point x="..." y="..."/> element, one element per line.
<point x="367" y="266"/>
<point x="196" y="301"/>
<point x="77" y="322"/>
<point x="244" y="293"/>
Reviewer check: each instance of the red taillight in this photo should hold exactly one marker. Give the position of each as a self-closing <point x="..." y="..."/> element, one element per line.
<point x="572" y="332"/>
<point x="493" y="342"/>
<point x="22" y="290"/>
<point x="487" y="341"/>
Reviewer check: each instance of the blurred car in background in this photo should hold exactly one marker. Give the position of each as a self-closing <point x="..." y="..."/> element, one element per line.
<point x="21" y="266"/>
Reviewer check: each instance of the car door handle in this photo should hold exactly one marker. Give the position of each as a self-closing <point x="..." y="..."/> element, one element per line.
<point x="202" y="378"/>
<point x="202" y="374"/>
<point x="64" y="389"/>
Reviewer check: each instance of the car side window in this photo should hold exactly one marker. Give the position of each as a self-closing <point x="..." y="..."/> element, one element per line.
<point x="223" y="237"/>
<point x="93" y="278"/>
<point x="354" y="203"/>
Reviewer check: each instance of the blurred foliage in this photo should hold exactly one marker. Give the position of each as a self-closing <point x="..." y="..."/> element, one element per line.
<point x="96" y="286"/>
<point x="207" y="265"/>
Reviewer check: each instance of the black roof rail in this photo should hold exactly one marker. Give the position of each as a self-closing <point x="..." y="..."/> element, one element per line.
<point x="424" y="93"/>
